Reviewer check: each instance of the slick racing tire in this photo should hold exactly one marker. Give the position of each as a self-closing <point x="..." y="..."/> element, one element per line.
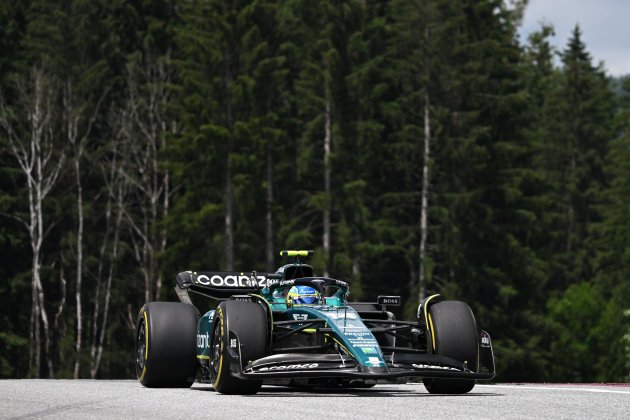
<point x="454" y="331"/>
<point x="166" y="334"/>
<point x="241" y="327"/>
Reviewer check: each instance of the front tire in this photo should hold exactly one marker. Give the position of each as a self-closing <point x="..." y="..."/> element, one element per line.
<point x="242" y="326"/>
<point x="454" y="330"/>
<point x="166" y="334"/>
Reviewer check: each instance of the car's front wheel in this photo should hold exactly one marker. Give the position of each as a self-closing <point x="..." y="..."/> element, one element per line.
<point x="454" y="334"/>
<point x="241" y="326"/>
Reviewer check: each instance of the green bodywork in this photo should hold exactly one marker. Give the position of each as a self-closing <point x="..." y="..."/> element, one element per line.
<point x="347" y="328"/>
<point x="204" y="335"/>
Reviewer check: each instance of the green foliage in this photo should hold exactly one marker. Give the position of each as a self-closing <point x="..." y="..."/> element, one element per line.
<point x="585" y="326"/>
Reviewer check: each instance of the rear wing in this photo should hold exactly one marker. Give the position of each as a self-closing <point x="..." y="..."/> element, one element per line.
<point x="221" y="285"/>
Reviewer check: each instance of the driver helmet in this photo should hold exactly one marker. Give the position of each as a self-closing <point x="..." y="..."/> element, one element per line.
<point x="303" y="295"/>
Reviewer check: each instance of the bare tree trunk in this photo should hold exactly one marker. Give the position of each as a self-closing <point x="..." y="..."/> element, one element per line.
<point x="62" y="302"/>
<point x="33" y="173"/>
<point x="166" y="186"/>
<point x="149" y="256"/>
<point x="424" y="206"/>
<point x="269" y="209"/>
<point x="79" y="268"/>
<point x="116" y="188"/>
<point x="327" y="171"/>
<point x="58" y="324"/>
<point x="426" y="156"/>
<point x="229" y="229"/>
<point x="154" y="145"/>
<point x="34" y="334"/>
<point x="35" y="309"/>
<point x="163" y="233"/>
<point x="229" y="195"/>
<point x="43" y="185"/>
<point x="73" y="117"/>
<point x="110" y="275"/>
<point x="40" y="159"/>
<point x="99" y="279"/>
<point x="144" y="124"/>
<point x="45" y="324"/>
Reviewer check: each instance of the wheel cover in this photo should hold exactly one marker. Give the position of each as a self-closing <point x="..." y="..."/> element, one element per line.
<point x="216" y="351"/>
<point x="140" y="348"/>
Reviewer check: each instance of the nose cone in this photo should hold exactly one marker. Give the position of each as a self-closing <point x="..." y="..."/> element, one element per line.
<point x="356" y="338"/>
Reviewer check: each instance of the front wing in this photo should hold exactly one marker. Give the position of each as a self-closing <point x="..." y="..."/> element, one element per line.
<point x="309" y="365"/>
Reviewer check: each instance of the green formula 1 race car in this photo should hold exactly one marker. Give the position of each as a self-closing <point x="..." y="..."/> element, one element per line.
<point x="297" y="329"/>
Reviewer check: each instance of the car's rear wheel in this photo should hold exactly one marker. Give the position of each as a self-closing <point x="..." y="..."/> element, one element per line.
<point x="454" y="331"/>
<point x="165" y="345"/>
<point x="242" y="326"/>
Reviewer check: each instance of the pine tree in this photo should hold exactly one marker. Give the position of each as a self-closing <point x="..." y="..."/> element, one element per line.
<point x="611" y="238"/>
<point x="484" y="210"/>
<point x="232" y="72"/>
<point x="576" y="130"/>
<point x="575" y="135"/>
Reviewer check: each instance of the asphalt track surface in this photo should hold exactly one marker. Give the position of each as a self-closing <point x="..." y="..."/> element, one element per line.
<point x="84" y="399"/>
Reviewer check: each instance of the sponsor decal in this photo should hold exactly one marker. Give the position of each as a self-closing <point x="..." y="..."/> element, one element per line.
<point x="300" y="317"/>
<point x="355" y="328"/>
<point x="203" y="341"/>
<point x="374" y="361"/>
<point x="423" y="366"/>
<point x="357" y="332"/>
<point x="359" y="338"/>
<point x="233" y="280"/>
<point x="289" y="367"/>
<point x="286" y="282"/>
<point x="366" y="344"/>
<point x="389" y="300"/>
<point x="233" y="342"/>
<point x="369" y="350"/>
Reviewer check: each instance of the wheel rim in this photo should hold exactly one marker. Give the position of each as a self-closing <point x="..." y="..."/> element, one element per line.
<point x="140" y="349"/>
<point x="216" y="350"/>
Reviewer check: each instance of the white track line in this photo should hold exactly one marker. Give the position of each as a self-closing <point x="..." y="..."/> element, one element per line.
<point x="568" y="388"/>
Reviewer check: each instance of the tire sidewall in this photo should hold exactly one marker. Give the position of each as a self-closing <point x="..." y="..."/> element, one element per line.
<point x="247" y="320"/>
<point x="454" y="329"/>
<point x="170" y="339"/>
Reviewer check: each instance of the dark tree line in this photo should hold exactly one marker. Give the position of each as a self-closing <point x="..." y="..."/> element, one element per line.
<point x="418" y="146"/>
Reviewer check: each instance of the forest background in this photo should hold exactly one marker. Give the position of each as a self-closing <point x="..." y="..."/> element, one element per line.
<point x="417" y="146"/>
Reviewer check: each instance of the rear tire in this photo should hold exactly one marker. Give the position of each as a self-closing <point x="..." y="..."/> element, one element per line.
<point x="455" y="332"/>
<point x="248" y="321"/>
<point x="166" y="334"/>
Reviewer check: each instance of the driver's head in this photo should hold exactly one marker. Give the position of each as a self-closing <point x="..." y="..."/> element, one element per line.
<point x="303" y="295"/>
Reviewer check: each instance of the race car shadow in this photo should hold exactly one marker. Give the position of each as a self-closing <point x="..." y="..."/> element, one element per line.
<point x="293" y="392"/>
<point x="371" y="393"/>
